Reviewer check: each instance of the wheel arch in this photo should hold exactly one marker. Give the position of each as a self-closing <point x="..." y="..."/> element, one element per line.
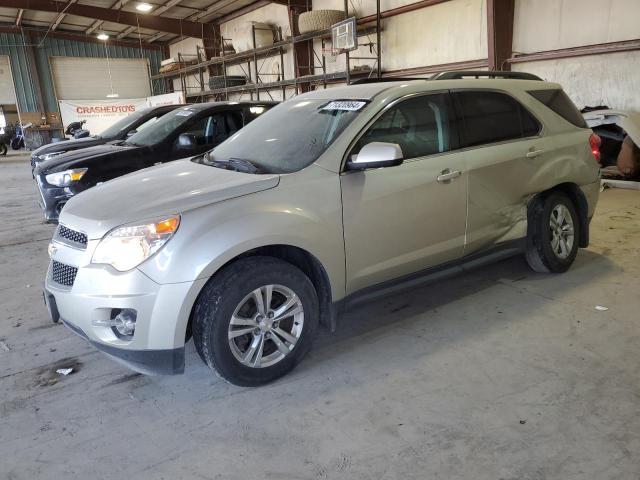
<point x="578" y="198"/>
<point x="300" y="258"/>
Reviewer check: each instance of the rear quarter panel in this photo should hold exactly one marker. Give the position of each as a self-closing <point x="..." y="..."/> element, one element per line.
<point x="502" y="180"/>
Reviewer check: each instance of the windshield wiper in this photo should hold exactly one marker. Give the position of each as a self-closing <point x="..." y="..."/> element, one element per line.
<point x="237" y="164"/>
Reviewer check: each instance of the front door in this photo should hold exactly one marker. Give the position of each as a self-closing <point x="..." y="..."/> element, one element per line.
<point x="403" y="219"/>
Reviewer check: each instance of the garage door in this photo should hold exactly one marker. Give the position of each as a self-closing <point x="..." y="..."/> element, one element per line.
<point x="7" y="90"/>
<point x="88" y="78"/>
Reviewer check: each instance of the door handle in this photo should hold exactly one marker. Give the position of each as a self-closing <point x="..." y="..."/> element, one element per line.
<point x="447" y="175"/>
<point x="534" y="153"/>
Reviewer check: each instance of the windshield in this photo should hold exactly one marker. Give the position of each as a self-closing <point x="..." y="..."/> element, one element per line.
<point x="162" y="128"/>
<point x="289" y="137"/>
<point x="124" y="124"/>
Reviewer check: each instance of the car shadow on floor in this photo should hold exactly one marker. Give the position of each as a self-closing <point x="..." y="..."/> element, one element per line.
<point x="454" y="297"/>
<point x="426" y="307"/>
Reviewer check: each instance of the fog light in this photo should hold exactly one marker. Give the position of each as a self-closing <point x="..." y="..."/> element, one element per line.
<point x="125" y="322"/>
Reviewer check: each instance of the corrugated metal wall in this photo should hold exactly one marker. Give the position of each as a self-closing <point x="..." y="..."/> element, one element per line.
<point x="14" y="45"/>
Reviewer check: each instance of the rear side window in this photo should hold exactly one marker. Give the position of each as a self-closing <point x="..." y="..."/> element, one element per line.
<point x="489" y="117"/>
<point x="559" y="102"/>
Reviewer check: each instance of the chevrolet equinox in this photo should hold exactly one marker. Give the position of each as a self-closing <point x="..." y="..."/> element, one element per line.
<point x="330" y="197"/>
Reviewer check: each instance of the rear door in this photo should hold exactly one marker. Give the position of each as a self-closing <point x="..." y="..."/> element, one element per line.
<point x="504" y="150"/>
<point x="403" y="219"/>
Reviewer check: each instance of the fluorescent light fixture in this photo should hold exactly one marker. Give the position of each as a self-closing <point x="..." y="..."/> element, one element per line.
<point x="144" y="7"/>
<point x="103" y="36"/>
<point x="112" y="95"/>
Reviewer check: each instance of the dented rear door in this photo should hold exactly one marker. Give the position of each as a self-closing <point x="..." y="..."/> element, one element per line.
<point x="505" y="148"/>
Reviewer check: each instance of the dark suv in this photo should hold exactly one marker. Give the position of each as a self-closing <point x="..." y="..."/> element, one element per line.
<point x="185" y="132"/>
<point x="120" y="130"/>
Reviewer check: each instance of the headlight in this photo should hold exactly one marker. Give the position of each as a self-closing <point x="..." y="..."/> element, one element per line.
<point x="66" y="178"/>
<point x="128" y="246"/>
<point x="48" y="156"/>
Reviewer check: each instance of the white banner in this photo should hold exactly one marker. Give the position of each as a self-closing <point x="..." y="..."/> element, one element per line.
<point x="175" y="98"/>
<point x="99" y="114"/>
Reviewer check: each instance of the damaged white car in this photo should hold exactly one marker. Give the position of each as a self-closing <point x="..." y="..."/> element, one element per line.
<point x="619" y="133"/>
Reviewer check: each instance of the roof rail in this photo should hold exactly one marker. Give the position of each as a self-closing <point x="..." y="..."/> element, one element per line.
<point x="360" y="81"/>
<point x="457" y="75"/>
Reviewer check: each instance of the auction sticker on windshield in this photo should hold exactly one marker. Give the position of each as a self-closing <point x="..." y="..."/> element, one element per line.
<point x="348" y="105"/>
<point x="184" y="113"/>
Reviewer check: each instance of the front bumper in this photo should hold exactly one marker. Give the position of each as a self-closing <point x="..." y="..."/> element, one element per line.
<point x="157" y="346"/>
<point x="52" y="199"/>
<point x="150" y="362"/>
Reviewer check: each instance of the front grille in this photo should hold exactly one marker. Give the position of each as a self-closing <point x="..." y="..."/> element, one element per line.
<point x="72" y="236"/>
<point x="33" y="163"/>
<point x="63" y="274"/>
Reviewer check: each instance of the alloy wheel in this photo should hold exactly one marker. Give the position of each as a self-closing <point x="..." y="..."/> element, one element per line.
<point x="562" y="231"/>
<point x="265" y="326"/>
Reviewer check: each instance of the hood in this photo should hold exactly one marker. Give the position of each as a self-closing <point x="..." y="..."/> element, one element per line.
<point x="70" y="159"/>
<point x="67" y="145"/>
<point x="174" y="187"/>
<point x="628" y="121"/>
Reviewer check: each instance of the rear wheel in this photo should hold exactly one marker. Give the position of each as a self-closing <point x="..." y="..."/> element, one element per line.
<point x="255" y="320"/>
<point x="552" y="242"/>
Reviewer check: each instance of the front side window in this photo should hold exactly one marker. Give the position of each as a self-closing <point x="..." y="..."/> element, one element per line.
<point x="420" y="125"/>
<point x="489" y="117"/>
<point x="215" y="129"/>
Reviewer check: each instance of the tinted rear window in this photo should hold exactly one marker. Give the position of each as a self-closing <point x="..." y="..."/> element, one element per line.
<point x="489" y="117"/>
<point x="559" y="102"/>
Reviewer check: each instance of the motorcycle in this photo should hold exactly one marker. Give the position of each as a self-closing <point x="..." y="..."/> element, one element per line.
<point x="17" y="142"/>
<point x="76" y="129"/>
<point x="5" y="139"/>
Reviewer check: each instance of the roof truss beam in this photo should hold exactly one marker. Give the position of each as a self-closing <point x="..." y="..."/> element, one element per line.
<point x="152" y="22"/>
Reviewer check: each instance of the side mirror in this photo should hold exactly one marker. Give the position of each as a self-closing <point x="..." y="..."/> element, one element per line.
<point x="131" y="133"/>
<point x="187" y="141"/>
<point x="376" y="155"/>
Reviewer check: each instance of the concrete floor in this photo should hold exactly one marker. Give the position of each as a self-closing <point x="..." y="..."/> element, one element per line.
<point x="500" y="374"/>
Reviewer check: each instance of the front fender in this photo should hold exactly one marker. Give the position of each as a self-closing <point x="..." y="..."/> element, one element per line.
<point x="303" y="211"/>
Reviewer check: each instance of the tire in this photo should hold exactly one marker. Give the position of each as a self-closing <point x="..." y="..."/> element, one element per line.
<point x="3" y="149"/>
<point x="552" y="248"/>
<point x="229" y="294"/>
<point x="218" y="81"/>
<point x="17" y="143"/>
<point x="319" y="20"/>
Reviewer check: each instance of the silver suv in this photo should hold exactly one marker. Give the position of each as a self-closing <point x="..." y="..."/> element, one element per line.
<point x="328" y="198"/>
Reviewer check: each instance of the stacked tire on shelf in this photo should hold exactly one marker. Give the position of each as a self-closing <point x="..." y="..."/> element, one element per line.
<point x="218" y="81"/>
<point x="316" y="20"/>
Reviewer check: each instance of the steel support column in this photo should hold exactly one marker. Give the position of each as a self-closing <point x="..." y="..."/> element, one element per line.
<point x="500" y="32"/>
<point x="302" y="51"/>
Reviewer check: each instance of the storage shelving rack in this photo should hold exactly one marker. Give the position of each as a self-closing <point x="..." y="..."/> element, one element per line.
<point x="256" y="81"/>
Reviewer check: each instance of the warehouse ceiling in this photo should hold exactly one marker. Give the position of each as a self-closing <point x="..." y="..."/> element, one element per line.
<point x="168" y="20"/>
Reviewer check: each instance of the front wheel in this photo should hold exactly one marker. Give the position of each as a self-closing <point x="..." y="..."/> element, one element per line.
<point x="255" y="320"/>
<point x="554" y="229"/>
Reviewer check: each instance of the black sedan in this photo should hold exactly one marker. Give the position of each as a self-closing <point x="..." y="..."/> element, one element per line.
<point x="185" y="132"/>
<point x="120" y="130"/>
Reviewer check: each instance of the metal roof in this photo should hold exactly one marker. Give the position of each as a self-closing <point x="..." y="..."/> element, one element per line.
<point x="83" y="16"/>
